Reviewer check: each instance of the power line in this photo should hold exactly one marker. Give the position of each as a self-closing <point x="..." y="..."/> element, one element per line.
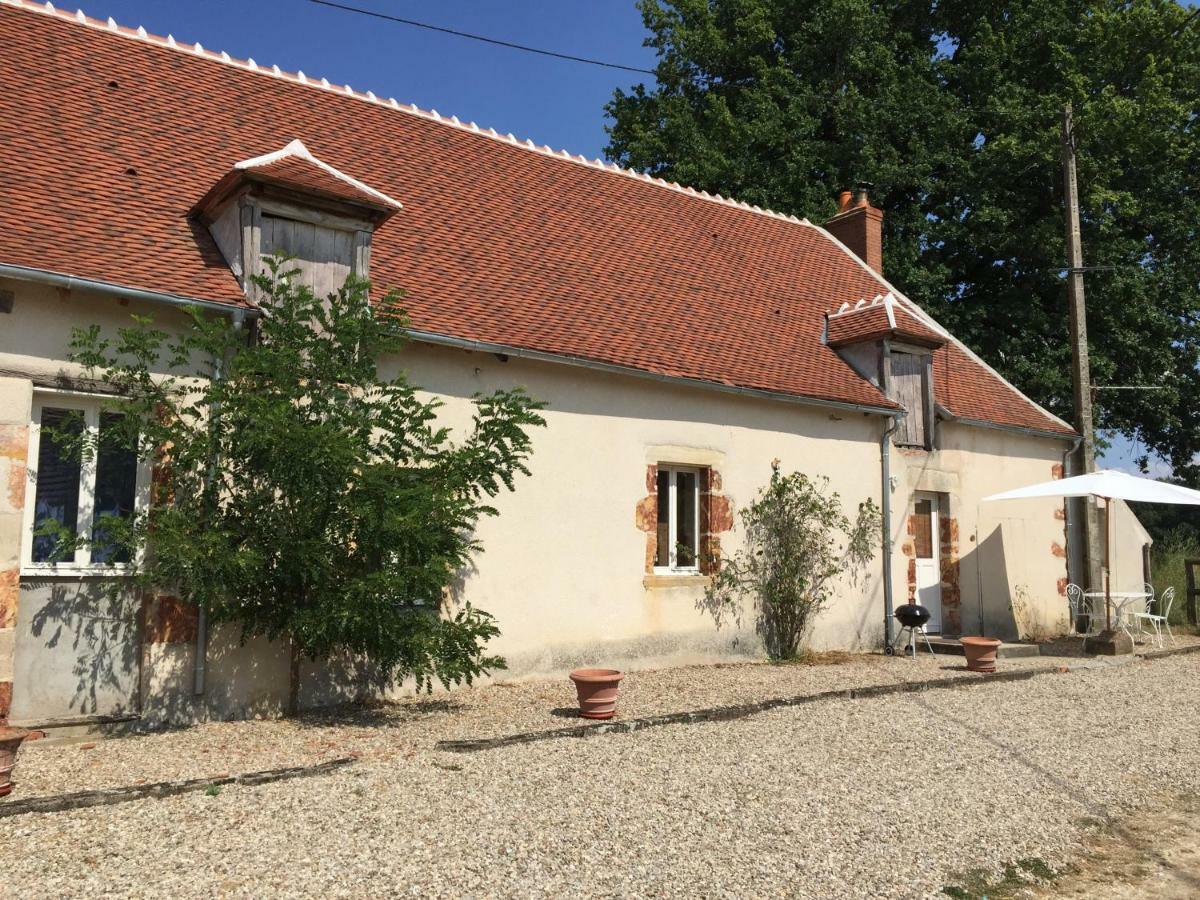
<point x="479" y="37"/>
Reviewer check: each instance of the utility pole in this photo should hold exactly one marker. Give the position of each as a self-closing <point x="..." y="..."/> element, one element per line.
<point x="1084" y="461"/>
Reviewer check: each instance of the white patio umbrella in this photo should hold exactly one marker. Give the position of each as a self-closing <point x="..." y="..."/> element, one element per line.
<point x="1107" y="484"/>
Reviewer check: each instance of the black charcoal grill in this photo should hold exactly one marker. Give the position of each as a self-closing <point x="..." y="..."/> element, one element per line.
<point x="912" y="618"/>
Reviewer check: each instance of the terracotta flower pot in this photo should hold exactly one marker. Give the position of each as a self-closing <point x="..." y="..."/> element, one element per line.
<point x="10" y="743"/>
<point x="981" y="653"/>
<point x="597" y="690"/>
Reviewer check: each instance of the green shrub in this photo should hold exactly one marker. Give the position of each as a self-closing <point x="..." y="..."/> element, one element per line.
<point x="1167" y="565"/>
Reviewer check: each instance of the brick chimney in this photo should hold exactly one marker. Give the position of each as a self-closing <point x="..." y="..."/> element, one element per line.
<point x="859" y="225"/>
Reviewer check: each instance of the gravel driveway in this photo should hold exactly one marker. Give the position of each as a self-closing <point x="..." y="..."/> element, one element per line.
<point x="418" y="723"/>
<point x="811" y="801"/>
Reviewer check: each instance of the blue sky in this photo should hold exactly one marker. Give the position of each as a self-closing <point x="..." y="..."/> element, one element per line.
<point x="551" y="101"/>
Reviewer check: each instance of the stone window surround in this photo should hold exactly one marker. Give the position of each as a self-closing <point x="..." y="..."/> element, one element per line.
<point x="715" y="513"/>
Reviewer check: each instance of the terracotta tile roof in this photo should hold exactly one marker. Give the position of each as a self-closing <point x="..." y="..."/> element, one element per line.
<point x="910" y="327"/>
<point x="866" y="323"/>
<point x="120" y="134"/>
<point x="294" y="166"/>
<point x="882" y="318"/>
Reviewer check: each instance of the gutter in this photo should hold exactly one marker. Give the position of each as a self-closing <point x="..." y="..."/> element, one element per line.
<point x="426" y="337"/>
<point x="996" y="426"/>
<point x="71" y="282"/>
<point x="885" y="465"/>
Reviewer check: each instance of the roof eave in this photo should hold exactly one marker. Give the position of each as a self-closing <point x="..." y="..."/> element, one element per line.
<point x="75" y="282"/>
<point x="1067" y="437"/>
<point x="238" y="182"/>
<point x="444" y="340"/>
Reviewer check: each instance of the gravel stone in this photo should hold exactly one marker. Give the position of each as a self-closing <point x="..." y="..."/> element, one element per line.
<point x="886" y="797"/>
<point x="402" y="727"/>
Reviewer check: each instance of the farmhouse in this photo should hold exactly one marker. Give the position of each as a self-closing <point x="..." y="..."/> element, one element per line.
<point x="682" y="342"/>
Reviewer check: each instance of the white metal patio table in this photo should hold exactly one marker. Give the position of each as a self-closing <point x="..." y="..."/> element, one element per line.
<point x="1121" y="601"/>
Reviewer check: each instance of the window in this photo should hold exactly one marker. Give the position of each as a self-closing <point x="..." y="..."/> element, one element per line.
<point x="678" y="548"/>
<point x="78" y="493"/>
<point x="909" y="385"/>
<point x="923" y="521"/>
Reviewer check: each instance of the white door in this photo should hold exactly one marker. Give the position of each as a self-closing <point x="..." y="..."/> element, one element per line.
<point x="929" y="568"/>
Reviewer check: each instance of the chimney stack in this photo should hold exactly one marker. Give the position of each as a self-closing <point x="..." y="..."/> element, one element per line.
<point x="859" y="225"/>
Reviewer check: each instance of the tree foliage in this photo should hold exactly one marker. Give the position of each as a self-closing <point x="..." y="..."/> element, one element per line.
<point x="298" y="491"/>
<point x="798" y="541"/>
<point x="953" y="110"/>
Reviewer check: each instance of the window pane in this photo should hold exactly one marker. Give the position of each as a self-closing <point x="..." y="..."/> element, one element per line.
<point x="923" y="529"/>
<point x="685" y="518"/>
<point x="116" y="484"/>
<point x="662" y="555"/>
<point x="57" y="493"/>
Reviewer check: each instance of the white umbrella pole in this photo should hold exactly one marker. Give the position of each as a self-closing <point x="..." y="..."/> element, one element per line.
<point x="1108" y="527"/>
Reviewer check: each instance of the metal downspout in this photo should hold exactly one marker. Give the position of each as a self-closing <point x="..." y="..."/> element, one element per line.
<point x="885" y="453"/>
<point x="200" y="663"/>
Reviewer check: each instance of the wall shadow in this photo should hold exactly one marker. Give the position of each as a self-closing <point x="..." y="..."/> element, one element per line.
<point x="984" y="588"/>
<point x="76" y="650"/>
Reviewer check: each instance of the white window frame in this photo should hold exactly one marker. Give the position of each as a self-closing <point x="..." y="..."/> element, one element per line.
<point x="673" y="524"/>
<point x="91" y="406"/>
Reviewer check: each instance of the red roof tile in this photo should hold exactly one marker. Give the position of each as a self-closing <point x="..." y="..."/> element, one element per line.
<point x="866" y="323"/>
<point x="295" y="167"/>
<point x="882" y="318"/>
<point x="119" y="137"/>
<point x="910" y="327"/>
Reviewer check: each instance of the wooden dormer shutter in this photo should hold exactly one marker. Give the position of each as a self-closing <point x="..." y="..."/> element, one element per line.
<point x="909" y="385"/>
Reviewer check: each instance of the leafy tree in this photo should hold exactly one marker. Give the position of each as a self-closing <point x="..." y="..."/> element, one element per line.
<point x="953" y="110"/>
<point x="300" y="492"/>
<point x="798" y="542"/>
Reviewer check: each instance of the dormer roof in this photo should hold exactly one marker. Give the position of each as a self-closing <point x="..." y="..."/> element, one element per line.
<point x="876" y="319"/>
<point x="296" y="169"/>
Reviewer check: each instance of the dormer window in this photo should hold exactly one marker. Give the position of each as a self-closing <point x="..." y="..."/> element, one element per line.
<point x="291" y="203"/>
<point x="886" y="343"/>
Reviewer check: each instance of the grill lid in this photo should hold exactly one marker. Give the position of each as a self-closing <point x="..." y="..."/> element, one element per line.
<point x="912" y="615"/>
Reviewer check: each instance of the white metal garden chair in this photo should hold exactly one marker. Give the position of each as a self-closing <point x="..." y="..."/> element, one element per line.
<point x="1159" y="619"/>
<point x="1081" y="609"/>
<point x="1135" y="617"/>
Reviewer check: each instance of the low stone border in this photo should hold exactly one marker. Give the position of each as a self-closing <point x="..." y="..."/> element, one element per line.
<point x="73" y="721"/>
<point x="741" y="711"/>
<point x="84" y="799"/>
<point x="1169" y="651"/>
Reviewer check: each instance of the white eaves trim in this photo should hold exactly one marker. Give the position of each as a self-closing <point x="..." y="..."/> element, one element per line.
<point x="918" y="313"/>
<point x="297" y="149"/>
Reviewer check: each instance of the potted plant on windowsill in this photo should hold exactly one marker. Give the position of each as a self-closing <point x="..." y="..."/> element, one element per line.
<point x="10" y="743"/>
